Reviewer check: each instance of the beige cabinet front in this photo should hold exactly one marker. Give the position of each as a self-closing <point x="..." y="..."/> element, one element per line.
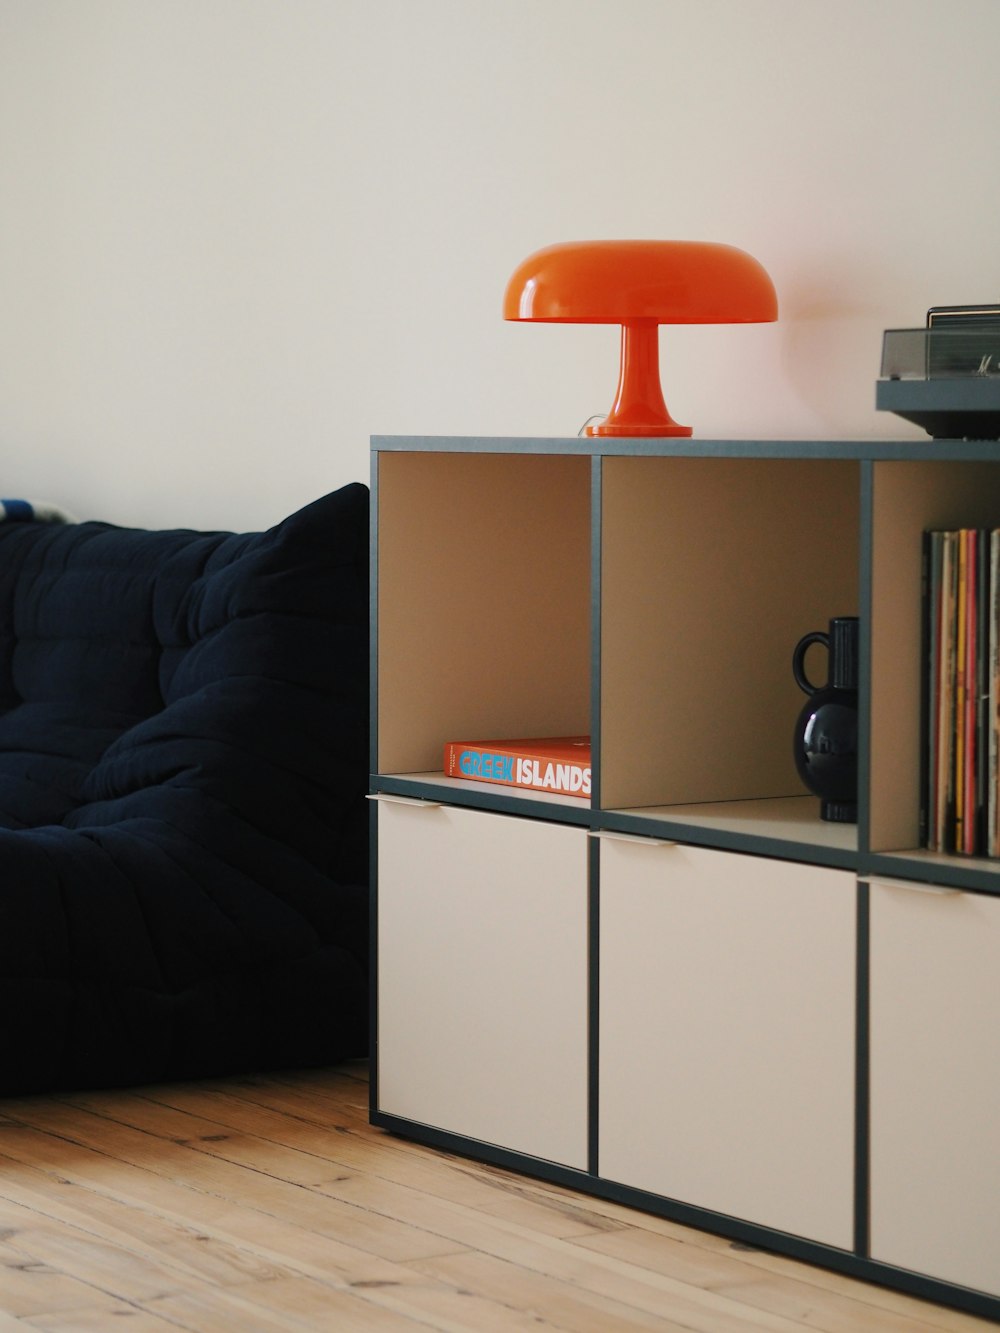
<point x="482" y="967"/>
<point x="935" y="1083"/>
<point x="727" y="1034"/>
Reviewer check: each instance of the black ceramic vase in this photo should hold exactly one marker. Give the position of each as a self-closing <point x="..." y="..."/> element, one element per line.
<point x="826" y="734"/>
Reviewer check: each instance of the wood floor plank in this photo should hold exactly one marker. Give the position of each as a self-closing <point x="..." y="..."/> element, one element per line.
<point x="127" y="1318"/>
<point x="200" y="1296"/>
<point x="285" y="1243"/>
<point x="833" y="1312"/>
<point x="345" y="1159"/>
<point x="565" y="1304"/>
<point x="645" y="1289"/>
<point x="840" y="1312"/>
<point x="29" y="1288"/>
<point x="424" y="1304"/>
<point x="309" y="1154"/>
<point x="311" y="1304"/>
<point x="337" y="1104"/>
<point x="121" y="1145"/>
<point x="220" y="1312"/>
<point x="8" y="1324"/>
<point x="38" y="1197"/>
<point x="109" y="1268"/>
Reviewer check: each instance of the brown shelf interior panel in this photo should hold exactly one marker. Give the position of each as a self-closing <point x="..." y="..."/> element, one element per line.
<point x="713" y="569"/>
<point x="484" y="601"/>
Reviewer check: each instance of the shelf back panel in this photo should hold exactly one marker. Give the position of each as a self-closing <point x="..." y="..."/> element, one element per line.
<point x="712" y="570"/>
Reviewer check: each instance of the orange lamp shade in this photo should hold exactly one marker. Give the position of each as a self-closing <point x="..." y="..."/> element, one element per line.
<point x="640" y="285"/>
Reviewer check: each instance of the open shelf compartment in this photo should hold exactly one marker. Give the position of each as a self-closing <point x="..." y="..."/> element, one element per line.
<point x="483" y="615"/>
<point x="712" y="570"/>
<point x="910" y="497"/>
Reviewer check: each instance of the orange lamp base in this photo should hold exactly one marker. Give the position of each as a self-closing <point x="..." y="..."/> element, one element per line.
<point x="639" y="408"/>
<point x="617" y="428"/>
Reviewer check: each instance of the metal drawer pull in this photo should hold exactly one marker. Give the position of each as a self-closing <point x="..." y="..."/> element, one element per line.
<point x="632" y="837"/>
<point x="391" y="799"/>
<point x="917" y="886"/>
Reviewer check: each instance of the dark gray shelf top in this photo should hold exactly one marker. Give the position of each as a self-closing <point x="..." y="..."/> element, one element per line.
<point x="920" y="450"/>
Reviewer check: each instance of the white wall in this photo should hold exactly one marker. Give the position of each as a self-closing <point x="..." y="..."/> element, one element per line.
<point x="237" y="237"/>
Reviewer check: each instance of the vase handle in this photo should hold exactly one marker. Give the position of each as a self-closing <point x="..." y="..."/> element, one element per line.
<point x="799" y="659"/>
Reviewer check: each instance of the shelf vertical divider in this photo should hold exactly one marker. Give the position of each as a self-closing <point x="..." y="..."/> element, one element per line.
<point x="862" y="1079"/>
<point x="596" y="586"/>
<point x="373" y="695"/>
<point x="594" y="853"/>
<point x="865" y="599"/>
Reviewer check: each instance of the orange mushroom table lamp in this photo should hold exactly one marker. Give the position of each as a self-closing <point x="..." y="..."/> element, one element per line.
<point x="640" y="285"/>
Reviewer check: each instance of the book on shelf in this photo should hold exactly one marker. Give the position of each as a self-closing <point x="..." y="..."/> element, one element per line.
<point x="556" y="764"/>
<point x="960" y="767"/>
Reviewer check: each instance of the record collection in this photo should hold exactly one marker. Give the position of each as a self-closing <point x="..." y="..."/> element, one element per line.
<point x="961" y="687"/>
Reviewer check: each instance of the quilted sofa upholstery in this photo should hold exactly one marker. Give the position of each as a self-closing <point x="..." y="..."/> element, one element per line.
<point x="183" y="831"/>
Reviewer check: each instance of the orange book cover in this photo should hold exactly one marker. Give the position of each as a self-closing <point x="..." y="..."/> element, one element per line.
<point x="557" y="764"/>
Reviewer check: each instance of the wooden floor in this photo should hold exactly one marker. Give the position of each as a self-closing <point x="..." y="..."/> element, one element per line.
<point x="270" y="1203"/>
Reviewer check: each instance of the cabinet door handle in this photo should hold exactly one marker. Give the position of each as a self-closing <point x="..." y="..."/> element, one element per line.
<point x="916" y="886"/>
<point x="391" y="799"/>
<point x="607" y="835"/>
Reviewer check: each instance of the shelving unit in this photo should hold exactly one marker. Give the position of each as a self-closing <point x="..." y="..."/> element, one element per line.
<point x="603" y="992"/>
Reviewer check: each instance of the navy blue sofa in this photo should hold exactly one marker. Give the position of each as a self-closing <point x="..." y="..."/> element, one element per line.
<point x="183" y="768"/>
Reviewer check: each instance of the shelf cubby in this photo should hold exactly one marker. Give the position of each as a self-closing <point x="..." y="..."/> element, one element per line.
<point x="910" y="497"/>
<point x="712" y="570"/>
<point x="483" y="612"/>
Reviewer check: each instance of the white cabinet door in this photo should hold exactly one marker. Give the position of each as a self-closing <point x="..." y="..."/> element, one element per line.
<point x="482" y="977"/>
<point x="727" y="1034"/>
<point x="935" y="1084"/>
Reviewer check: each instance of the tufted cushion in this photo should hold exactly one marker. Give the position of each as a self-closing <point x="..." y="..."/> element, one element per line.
<point x="183" y="762"/>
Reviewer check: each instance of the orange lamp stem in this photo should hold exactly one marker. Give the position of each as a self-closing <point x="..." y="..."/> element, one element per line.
<point x="639" y="408"/>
